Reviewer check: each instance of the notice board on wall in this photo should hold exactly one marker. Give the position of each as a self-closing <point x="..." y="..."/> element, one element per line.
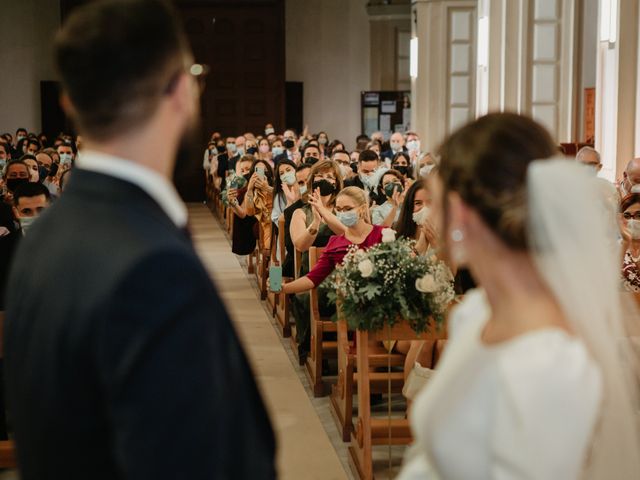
<point x="385" y="111"/>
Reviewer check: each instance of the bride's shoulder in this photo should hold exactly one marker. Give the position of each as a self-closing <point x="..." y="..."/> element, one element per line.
<point x="469" y="314"/>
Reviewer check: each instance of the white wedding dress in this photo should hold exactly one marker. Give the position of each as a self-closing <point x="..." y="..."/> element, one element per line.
<point x="522" y="409"/>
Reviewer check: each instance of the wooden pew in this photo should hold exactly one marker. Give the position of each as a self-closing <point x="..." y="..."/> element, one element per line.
<point x="282" y="310"/>
<point x="370" y="431"/>
<point x="262" y="256"/>
<point x="272" y="298"/>
<point x="297" y="262"/>
<point x="321" y="349"/>
<point x="7" y="447"/>
<point x="341" y="399"/>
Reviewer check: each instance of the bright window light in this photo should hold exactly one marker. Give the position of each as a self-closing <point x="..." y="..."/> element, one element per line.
<point x="609" y="21"/>
<point x="413" y="57"/>
<point x="483" y="42"/>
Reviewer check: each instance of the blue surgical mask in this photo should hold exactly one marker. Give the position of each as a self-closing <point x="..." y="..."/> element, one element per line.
<point x="231" y="147"/>
<point x="65" y="158"/>
<point x="303" y="189"/>
<point x="289" y="178"/>
<point x="348" y="219"/>
<point x="277" y="151"/>
<point x="240" y="150"/>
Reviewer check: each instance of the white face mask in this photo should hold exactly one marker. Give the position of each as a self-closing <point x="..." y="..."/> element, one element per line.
<point x="421" y="216"/>
<point x="633" y="226"/>
<point x="65" y="158"/>
<point x="269" y="131"/>
<point x="426" y="170"/>
<point x="395" y="146"/>
<point x="413" y="145"/>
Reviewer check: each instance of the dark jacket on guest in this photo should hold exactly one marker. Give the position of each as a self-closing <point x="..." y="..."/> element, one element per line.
<point x="374" y="196"/>
<point x="121" y="361"/>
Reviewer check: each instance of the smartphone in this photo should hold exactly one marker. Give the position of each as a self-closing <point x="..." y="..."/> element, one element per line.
<point x="260" y="171"/>
<point x="275" y="278"/>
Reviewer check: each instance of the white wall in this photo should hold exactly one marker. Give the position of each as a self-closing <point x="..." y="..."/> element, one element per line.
<point x="27" y="28"/>
<point x="327" y="48"/>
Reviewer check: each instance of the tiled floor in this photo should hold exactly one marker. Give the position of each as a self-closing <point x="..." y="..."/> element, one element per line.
<point x="310" y="446"/>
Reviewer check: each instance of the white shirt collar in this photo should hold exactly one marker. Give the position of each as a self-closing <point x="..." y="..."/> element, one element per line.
<point x="154" y="184"/>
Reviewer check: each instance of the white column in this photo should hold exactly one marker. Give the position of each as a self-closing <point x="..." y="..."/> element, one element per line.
<point x="617" y="90"/>
<point x="444" y="91"/>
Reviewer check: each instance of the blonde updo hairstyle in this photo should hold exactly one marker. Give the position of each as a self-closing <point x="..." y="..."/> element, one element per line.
<point x="486" y="163"/>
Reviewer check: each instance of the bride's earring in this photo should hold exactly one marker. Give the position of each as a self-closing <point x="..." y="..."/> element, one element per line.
<point x="458" y="253"/>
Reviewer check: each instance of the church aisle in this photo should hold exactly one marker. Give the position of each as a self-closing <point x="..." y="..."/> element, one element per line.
<point x="304" y="449"/>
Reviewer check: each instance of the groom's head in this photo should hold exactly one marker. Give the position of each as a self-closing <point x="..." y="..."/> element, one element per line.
<point x="121" y="62"/>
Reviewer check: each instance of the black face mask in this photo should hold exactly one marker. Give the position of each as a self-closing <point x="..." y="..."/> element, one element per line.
<point x="389" y="188"/>
<point x="247" y="176"/>
<point x="13" y="183"/>
<point x="310" y="160"/>
<point x="325" y="186"/>
<point x="354" y="167"/>
<point x="288" y="143"/>
<point x="403" y="169"/>
<point x="252" y="150"/>
<point x="53" y="170"/>
<point x="43" y="173"/>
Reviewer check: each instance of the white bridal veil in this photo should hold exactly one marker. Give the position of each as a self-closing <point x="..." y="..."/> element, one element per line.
<point x="573" y="240"/>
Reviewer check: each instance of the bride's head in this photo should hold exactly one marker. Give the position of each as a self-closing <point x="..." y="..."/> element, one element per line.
<point x="483" y="169"/>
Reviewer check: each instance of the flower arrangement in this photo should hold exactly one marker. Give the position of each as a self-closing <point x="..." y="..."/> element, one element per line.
<point x="233" y="181"/>
<point x="388" y="283"/>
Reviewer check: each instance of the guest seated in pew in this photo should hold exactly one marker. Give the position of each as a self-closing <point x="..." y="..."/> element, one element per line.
<point x="243" y="239"/>
<point x="302" y="175"/>
<point x="630" y="231"/>
<point x="311" y="226"/>
<point x="286" y="191"/>
<point x="352" y="211"/>
<point x="259" y="199"/>
<point x="402" y="164"/>
<point x="392" y="188"/>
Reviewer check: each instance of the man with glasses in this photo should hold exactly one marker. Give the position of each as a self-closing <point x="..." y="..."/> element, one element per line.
<point x="131" y="362"/>
<point x="630" y="182"/>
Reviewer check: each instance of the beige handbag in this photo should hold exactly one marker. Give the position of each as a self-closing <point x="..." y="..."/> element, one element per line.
<point x="418" y="377"/>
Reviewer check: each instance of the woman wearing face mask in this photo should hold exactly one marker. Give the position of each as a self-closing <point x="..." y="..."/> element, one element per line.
<point x="402" y="164"/>
<point x="630" y="231"/>
<point x="323" y="142"/>
<point x="243" y="240"/>
<point x="277" y="149"/>
<point x="259" y="199"/>
<point x="414" y="220"/>
<point x="286" y="190"/>
<point x="32" y="164"/>
<point x="391" y="187"/>
<point x="264" y="151"/>
<point x="312" y="226"/>
<point x="351" y="210"/>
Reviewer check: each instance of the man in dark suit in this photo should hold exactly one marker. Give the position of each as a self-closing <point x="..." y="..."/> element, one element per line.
<point x="121" y="361"/>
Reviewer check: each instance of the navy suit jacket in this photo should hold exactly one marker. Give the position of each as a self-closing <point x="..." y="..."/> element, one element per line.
<point x="121" y="361"/>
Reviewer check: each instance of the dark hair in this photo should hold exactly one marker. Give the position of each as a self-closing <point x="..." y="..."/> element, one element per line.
<point x="116" y="58"/>
<point x="15" y="162"/>
<point x="30" y="190"/>
<point x="277" y="188"/>
<point x="27" y="156"/>
<point x="362" y="138"/>
<point x="405" y="226"/>
<point x="308" y="146"/>
<point x="303" y="166"/>
<point x="71" y="145"/>
<point x="33" y="141"/>
<point x="6" y="147"/>
<point x="368" y="156"/>
<point x="268" y="171"/>
<point x="63" y="178"/>
<point x="21" y="130"/>
<point x="486" y="163"/>
<point x="629" y="200"/>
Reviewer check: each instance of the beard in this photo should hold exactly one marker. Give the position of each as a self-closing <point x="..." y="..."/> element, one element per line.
<point x="187" y="156"/>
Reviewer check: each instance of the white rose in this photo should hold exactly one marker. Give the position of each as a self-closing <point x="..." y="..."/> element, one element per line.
<point x="366" y="268"/>
<point x="426" y="284"/>
<point x="388" y="235"/>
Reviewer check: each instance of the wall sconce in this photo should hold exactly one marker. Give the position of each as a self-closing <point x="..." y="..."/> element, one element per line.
<point x="483" y="42"/>
<point x="609" y="21"/>
<point x="413" y="57"/>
